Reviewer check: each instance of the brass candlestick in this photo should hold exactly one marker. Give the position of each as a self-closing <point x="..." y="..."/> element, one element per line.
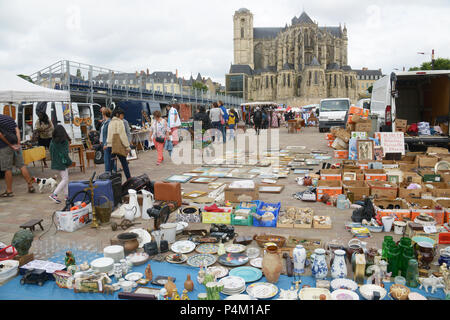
<point x="91" y="188"/>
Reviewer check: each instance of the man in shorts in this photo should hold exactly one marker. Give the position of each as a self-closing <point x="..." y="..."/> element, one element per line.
<point x="11" y="154"/>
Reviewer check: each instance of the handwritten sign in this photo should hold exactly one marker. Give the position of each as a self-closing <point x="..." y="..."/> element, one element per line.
<point x="392" y="142"/>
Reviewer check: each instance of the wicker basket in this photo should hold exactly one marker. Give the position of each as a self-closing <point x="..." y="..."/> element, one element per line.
<point x="263" y="239"/>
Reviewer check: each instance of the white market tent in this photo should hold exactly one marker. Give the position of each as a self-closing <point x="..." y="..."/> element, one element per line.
<point x="14" y="89"/>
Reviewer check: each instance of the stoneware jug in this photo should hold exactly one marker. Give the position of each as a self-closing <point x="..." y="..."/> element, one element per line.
<point x="272" y="264"/>
<point x="339" y="266"/>
<point x="299" y="259"/>
<point x="134" y="202"/>
<point x="147" y="203"/>
<point x="320" y="267"/>
<point x="131" y="212"/>
<point x="189" y="284"/>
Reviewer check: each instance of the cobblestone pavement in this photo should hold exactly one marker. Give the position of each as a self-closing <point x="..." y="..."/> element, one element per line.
<point x="24" y="206"/>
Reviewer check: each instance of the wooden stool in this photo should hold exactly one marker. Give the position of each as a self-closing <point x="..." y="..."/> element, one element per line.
<point x="32" y="224"/>
<point x="90" y="156"/>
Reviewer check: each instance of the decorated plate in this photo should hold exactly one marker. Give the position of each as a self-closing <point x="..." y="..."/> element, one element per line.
<point x="232" y="284"/>
<point x="346" y="284"/>
<point x="233" y="259"/>
<point x="249" y="274"/>
<point x="176" y="258"/>
<point x="235" y="248"/>
<point x="134" y="276"/>
<point x="257" y="263"/>
<point x="219" y="271"/>
<point x="342" y="294"/>
<point x="138" y="258"/>
<point x="210" y="248"/>
<point x="262" y="290"/>
<point x="184" y="246"/>
<point x="239" y="297"/>
<point x="253" y="252"/>
<point x="199" y="260"/>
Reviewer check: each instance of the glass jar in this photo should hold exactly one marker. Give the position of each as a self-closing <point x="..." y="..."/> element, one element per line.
<point x="407" y="255"/>
<point x="412" y="274"/>
<point x="388" y="241"/>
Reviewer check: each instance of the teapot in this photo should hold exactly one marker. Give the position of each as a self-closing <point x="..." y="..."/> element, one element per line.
<point x="131" y="212"/>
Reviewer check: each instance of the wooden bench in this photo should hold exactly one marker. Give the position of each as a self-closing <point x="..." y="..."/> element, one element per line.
<point x="32" y="224"/>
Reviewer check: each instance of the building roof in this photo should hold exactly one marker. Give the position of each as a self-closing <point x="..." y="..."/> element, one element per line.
<point x="304" y="18"/>
<point x="333" y="66"/>
<point x="241" y="68"/>
<point x="334" y="31"/>
<point x="288" y="66"/>
<point x="366" y="72"/>
<point x="346" y="68"/>
<point x="243" y="10"/>
<point x="314" y="62"/>
<point x="270" y="69"/>
<point x="266" y="33"/>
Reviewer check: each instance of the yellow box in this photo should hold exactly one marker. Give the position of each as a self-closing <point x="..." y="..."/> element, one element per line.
<point x="216" y="217"/>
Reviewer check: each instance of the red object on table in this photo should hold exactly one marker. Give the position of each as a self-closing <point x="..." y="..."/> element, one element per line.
<point x="214" y="208"/>
<point x="6" y="254"/>
<point x="444" y="238"/>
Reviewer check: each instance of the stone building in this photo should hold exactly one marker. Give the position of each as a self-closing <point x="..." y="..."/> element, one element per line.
<point x="365" y="78"/>
<point x="297" y="65"/>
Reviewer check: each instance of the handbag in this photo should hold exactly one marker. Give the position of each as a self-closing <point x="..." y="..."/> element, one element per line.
<point x="117" y="146"/>
<point x="160" y="139"/>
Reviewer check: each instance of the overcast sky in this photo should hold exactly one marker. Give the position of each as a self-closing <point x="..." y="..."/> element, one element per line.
<point x="197" y="36"/>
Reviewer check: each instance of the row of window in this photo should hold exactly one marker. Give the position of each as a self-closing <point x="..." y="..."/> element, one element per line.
<point x="367" y="77"/>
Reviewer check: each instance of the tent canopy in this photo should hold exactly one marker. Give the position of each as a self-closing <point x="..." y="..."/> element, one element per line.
<point x="15" y="89"/>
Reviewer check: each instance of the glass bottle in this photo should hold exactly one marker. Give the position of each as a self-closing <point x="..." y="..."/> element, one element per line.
<point x="393" y="260"/>
<point x="388" y="240"/>
<point x="412" y="274"/>
<point x="407" y="255"/>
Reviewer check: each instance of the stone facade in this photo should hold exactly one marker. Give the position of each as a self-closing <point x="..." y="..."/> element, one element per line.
<point x="298" y="64"/>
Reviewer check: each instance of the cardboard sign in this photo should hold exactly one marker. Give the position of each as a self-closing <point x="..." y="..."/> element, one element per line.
<point x="392" y="142"/>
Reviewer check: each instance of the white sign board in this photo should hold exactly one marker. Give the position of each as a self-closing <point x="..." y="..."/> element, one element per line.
<point x="392" y="142"/>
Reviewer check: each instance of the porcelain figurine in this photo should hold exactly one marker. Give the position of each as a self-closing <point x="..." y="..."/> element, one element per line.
<point x="85" y="266"/>
<point x="148" y="273"/>
<point x="299" y="255"/>
<point x="189" y="284"/>
<point x="162" y="294"/>
<point x="147" y="203"/>
<point x="433" y="282"/>
<point x="184" y="295"/>
<point x="69" y="260"/>
<point x="320" y="267"/>
<point x="339" y="266"/>
<point x="446" y="276"/>
<point x="291" y="294"/>
<point x="376" y="275"/>
<point x="201" y="275"/>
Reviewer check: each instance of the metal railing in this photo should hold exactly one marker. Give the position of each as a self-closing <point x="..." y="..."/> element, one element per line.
<point x="91" y="82"/>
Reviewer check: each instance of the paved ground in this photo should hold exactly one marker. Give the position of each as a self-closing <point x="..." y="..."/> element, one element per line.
<point x="24" y="206"/>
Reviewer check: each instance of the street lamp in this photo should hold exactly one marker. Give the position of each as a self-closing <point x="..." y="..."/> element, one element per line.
<point x="432" y="57"/>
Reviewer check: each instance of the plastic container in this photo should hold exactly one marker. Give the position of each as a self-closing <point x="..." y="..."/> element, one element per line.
<point x="444" y="238"/>
<point x="261" y="212"/>
<point x="169" y="231"/>
<point x="9" y="271"/>
<point x="242" y="222"/>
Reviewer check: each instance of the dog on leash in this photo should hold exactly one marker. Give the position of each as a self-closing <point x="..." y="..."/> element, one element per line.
<point x="50" y="183"/>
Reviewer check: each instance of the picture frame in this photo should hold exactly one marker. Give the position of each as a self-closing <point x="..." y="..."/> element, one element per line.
<point x="394" y="179"/>
<point x="271" y="189"/>
<point x="349" y="176"/>
<point x="379" y="153"/>
<point x="140" y="293"/>
<point x="201" y="170"/>
<point x="203" y="179"/>
<point x="365" y="150"/>
<point x="195" y="194"/>
<point x="178" y="178"/>
<point x="215" y="185"/>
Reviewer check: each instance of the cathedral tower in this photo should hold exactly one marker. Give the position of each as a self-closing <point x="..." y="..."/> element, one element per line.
<point x="243" y="37"/>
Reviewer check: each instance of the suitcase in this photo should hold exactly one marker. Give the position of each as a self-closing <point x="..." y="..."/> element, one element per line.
<point x="166" y="191"/>
<point x="138" y="183"/>
<point x="116" y="179"/>
<point x="104" y="188"/>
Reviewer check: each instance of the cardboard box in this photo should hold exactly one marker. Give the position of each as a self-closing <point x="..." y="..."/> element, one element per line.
<point x="394" y="175"/>
<point x="241" y="195"/>
<point x="436" y="151"/>
<point x="438" y="189"/>
<point x="358" y="172"/>
<point x="446" y="206"/>
<point x="375" y="174"/>
<point x="341" y="154"/>
<point x="426" y="161"/>
<point x="350" y="127"/>
<point x="327" y="225"/>
<point x="403" y="211"/>
<point x="403" y="192"/>
<point x="383" y="190"/>
<point x="364" y="126"/>
<point x="401" y="123"/>
<point x="429" y="175"/>
<point x="426" y="206"/>
<point x="390" y="164"/>
<point x="407" y="166"/>
<point x="363" y="164"/>
<point x="331" y="188"/>
<point x="412" y="177"/>
<point x="331" y="175"/>
<point x="360" y="189"/>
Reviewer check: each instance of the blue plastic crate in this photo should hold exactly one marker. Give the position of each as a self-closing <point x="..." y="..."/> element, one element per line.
<point x="255" y="202"/>
<point x="260" y="212"/>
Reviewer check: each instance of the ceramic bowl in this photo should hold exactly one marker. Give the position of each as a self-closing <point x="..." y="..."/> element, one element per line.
<point x="342" y="294"/>
<point x="314" y="294"/>
<point x="127" y="286"/>
<point x="399" y="292"/>
<point x="416" y="296"/>
<point x="423" y="239"/>
<point x="367" y="291"/>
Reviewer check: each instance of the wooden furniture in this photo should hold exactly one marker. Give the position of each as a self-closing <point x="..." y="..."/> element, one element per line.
<point x="80" y="149"/>
<point x="34" y="154"/>
<point x="90" y="156"/>
<point x="292" y="126"/>
<point x="32" y="224"/>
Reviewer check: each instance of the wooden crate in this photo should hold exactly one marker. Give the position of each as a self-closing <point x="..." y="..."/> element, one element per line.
<point x="328" y="225"/>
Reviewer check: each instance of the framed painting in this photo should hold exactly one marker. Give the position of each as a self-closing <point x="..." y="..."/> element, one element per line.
<point x="271" y="189"/>
<point x="178" y="178"/>
<point x="194" y="194"/>
<point x="379" y="153"/>
<point x="204" y="180"/>
<point x="365" y="150"/>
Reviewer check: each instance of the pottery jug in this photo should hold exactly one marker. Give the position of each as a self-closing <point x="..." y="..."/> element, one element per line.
<point x="147" y="203"/>
<point x="320" y="267"/>
<point x="299" y="255"/>
<point x="134" y="202"/>
<point x="272" y="264"/>
<point x="130" y="212"/>
<point x="354" y="246"/>
<point x="339" y="266"/>
<point x="189" y="284"/>
<point x="129" y="242"/>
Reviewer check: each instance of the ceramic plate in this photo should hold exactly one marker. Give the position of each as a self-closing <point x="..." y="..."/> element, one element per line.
<point x="235" y="248"/>
<point x="219" y="271"/>
<point x="253" y="253"/>
<point x="232" y="285"/>
<point x="257" y="263"/>
<point x="342" y="294"/>
<point x="138" y="258"/>
<point x="172" y="258"/>
<point x="249" y="274"/>
<point x="233" y="259"/>
<point x="367" y="291"/>
<point x="262" y="290"/>
<point x="239" y="297"/>
<point x="184" y="246"/>
<point x="143" y="236"/>
<point x="210" y="248"/>
<point x="344" y="284"/>
<point x="199" y="260"/>
<point x="181" y="226"/>
<point x="103" y="264"/>
<point x="134" y="276"/>
<point x="314" y="293"/>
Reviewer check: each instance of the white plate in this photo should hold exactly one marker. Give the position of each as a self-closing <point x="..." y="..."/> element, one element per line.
<point x="232" y="293"/>
<point x="262" y="290"/>
<point x="232" y="283"/>
<point x="143" y="236"/>
<point x="253" y="253"/>
<point x="344" y="284"/>
<point x="134" y="276"/>
<point x="138" y="258"/>
<point x="257" y="263"/>
<point x="235" y="248"/>
<point x="342" y="294"/>
<point x="239" y="297"/>
<point x="103" y="264"/>
<point x="183" y="247"/>
<point x="219" y="271"/>
<point x="181" y="226"/>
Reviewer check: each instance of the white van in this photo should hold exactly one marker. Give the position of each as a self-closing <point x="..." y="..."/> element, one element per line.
<point x="77" y="118"/>
<point x="333" y="113"/>
<point x="415" y="96"/>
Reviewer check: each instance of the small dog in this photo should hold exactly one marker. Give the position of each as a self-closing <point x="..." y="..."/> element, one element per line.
<point x="43" y="183"/>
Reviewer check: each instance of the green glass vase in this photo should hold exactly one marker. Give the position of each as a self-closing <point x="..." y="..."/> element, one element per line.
<point x="412" y="274"/>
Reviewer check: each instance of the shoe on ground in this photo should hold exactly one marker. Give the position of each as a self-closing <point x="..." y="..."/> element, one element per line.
<point x="54" y="198"/>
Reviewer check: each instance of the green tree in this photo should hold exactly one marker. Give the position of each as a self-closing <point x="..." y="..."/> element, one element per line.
<point x="370" y="89"/>
<point x="200" y="86"/>
<point x="439" y="64"/>
<point x="25" y="77"/>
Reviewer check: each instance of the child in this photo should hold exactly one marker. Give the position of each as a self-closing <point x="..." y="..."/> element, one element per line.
<point x="59" y="152"/>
